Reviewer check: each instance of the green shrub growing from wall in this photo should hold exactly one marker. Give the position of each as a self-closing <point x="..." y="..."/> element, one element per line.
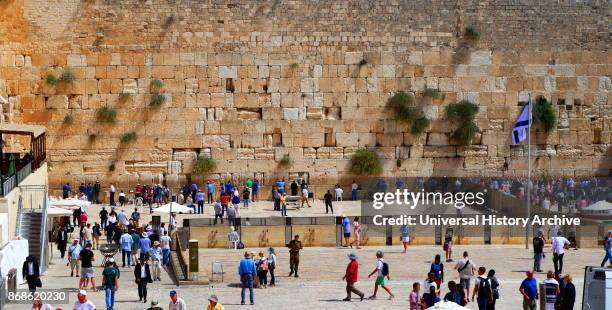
<point x="286" y="161"/>
<point x="204" y="165"/>
<point x="157" y="100"/>
<point x="129" y="137"/>
<point x="406" y="111"/>
<point x="68" y="119"/>
<point x="365" y="162"/>
<point x="463" y="113"/>
<point x="543" y="114"/>
<point x="106" y="115"/>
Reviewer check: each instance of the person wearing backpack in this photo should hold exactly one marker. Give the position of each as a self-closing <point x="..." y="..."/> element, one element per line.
<point x="437" y="268"/>
<point x="262" y="270"/>
<point x="382" y="271"/>
<point x="494" y="288"/>
<point x="483" y="290"/>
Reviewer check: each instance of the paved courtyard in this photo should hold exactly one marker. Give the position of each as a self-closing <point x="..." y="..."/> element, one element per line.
<point x="320" y="285"/>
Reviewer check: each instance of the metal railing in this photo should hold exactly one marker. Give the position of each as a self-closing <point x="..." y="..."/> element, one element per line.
<point x="179" y="254"/>
<point x="12" y="181"/>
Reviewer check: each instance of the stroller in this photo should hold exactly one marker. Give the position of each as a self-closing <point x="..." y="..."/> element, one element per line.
<point x="108" y="251"/>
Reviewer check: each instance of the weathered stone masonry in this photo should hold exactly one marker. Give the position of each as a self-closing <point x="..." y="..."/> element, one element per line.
<point x="250" y="81"/>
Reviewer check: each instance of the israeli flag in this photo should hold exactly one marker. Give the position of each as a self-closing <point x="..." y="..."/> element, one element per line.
<point x="521" y="128"/>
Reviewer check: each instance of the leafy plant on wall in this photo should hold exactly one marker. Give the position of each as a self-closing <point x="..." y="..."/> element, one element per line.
<point x="366" y="162"/>
<point x="106" y="115"/>
<point x="406" y="111"/>
<point x="543" y="115"/>
<point x="286" y="161"/>
<point x="463" y="114"/>
<point x="204" y="165"/>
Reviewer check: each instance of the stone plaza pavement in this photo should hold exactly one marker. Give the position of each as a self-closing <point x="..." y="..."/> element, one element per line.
<point x="320" y="285"/>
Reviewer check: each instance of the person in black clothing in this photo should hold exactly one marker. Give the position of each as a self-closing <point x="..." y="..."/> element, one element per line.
<point x="142" y="274"/>
<point x="30" y="272"/>
<point x="568" y="294"/>
<point x="97" y="189"/>
<point x="453" y="295"/>
<point x="538" y="252"/>
<point x="117" y="232"/>
<point x="494" y="289"/>
<point x="154" y="236"/>
<point x="110" y="229"/>
<point x="61" y="240"/>
<point x="103" y="217"/>
<point x="328" y="201"/>
<point x="294" y="188"/>
<point x="75" y="216"/>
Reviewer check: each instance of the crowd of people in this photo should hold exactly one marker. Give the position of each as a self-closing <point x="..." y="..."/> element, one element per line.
<point x="557" y="194"/>
<point x="145" y="249"/>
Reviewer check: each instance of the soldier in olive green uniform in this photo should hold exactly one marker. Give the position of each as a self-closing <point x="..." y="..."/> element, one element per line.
<point x="294" y="254"/>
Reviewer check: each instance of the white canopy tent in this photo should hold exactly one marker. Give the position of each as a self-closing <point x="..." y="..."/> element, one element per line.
<point x="69" y="202"/>
<point x="177" y="208"/>
<point x="447" y="305"/>
<point x="55" y="211"/>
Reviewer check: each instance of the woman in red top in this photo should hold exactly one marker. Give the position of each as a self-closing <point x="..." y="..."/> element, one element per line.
<point x="351" y="275"/>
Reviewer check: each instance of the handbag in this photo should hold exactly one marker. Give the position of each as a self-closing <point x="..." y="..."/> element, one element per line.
<point x="38" y="282"/>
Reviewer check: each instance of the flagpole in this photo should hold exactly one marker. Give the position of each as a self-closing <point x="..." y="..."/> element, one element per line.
<point x="528" y="175"/>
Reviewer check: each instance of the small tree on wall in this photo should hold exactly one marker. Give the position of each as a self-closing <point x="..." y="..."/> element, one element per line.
<point x="204" y="165"/>
<point x="366" y="162"/>
<point x="543" y="114"/>
<point x="463" y="114"/>
<point x="406" y="111"/>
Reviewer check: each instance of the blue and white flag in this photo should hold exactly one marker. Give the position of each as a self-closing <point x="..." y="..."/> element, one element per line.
<point x="521" y="128"/>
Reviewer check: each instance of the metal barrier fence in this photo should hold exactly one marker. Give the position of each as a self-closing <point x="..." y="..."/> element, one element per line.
<point x="10" y="182"/>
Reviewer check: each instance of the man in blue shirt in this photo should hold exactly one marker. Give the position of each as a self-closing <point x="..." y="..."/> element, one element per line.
<point x="66" y="190"/>
<point x="210" y="191"/>
<point x="529" y="290"/>
<point x="247" y="271"/>
<point x="126" y="248"/>
<point x="346" y="230"/>
<point x="145" y="245"/>
<point x="90" y="192"/>
<point x="199" y="198"/>
<point x="194" y="190"/>
<point x="229" y="187"/>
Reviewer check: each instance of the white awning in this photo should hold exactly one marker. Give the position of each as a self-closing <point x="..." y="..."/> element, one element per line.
<point x="177" y="208"/>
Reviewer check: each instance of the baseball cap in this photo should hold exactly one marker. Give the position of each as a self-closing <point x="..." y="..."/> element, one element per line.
<point x="213" y="298"/>
<point x="154" y="303"/>
<point x="83" y="292"/>
<point x="172" y="292"/>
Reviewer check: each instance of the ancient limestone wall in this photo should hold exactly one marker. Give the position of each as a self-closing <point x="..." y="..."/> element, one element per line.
<point x="250" y="81"/>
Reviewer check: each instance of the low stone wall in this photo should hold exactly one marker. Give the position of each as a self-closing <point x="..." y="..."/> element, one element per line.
<point x="325" y="232"/>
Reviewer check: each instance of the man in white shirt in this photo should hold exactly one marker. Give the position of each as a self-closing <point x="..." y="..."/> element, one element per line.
<point x="354" y="189"/>
<point x="559" y="244"/>
<point x="112" y="191"/>
<point x="165" y="245"/>
<point x="381" y="273"/>
<point x="305" y="198"/>
<point x="82" y="303"/>
<point x="339" y="192"/>
<point x="176" y="303"/>
<point x="466" y="270"/>
<point x="122" y="218"/>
